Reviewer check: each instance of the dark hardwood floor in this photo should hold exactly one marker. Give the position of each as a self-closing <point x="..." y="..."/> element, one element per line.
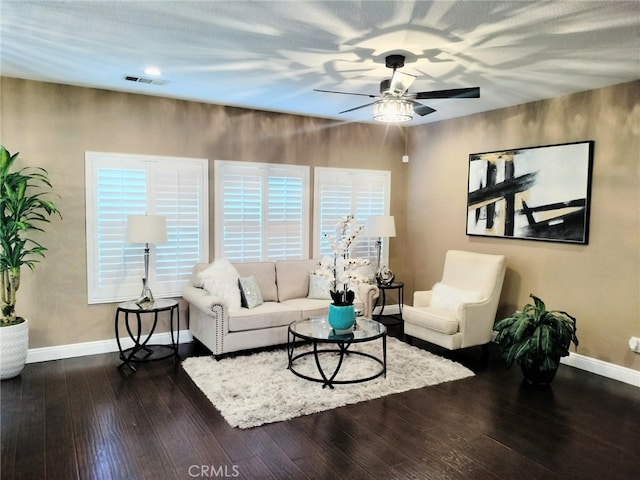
<point x="82" y="418"/>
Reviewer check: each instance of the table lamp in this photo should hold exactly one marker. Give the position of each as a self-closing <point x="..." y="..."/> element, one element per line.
<point x="381" y="226"/>
<point x="146" y="229"/>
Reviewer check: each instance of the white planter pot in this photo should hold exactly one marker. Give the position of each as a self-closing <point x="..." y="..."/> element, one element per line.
<point x="14" y="343"/>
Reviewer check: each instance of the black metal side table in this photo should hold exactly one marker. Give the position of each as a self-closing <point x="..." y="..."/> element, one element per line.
<point x="399" y="286"/>
<point x="142" y="350"/>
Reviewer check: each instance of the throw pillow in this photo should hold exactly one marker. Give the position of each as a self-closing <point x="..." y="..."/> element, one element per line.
<point x="451" y="298"/>
<point x="250" y="292"/>
<point x="220" y="279"/>
<point x="319" y="287"/>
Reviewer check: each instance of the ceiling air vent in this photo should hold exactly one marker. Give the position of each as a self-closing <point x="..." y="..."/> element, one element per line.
<point x="150" y="81"/>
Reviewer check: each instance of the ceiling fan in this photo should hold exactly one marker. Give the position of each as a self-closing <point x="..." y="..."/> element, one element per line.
<point x="395" y="104"/>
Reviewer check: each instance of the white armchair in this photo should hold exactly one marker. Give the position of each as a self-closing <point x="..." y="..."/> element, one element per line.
<point x="460" y="310"/>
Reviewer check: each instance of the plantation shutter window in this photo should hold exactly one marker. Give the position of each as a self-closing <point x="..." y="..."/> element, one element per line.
<point x="261" y="211"/>
<point x="119" y="185"/>
<point x="340" y="192"/>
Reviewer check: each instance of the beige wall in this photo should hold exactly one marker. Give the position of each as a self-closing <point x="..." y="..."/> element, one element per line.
<point x="598" y="283"/>
<point x="53" y="125"/>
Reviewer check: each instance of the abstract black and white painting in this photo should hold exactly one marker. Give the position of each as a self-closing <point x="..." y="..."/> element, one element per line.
<point x="537" y="193"/>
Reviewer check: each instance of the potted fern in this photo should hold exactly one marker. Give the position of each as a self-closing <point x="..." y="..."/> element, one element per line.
<point x="24" y="206"/>
<point x="536" y="338"/>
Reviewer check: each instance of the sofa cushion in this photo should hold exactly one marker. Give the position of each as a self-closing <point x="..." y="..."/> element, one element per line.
<point x="312" y="307"/>
<point x="220" y="279"/>
<point x="309" y="307"/>
<point x="250" y="292"/>
<point x="265" y="275"/>
<point x="449" y="298"/>
<point x="293" y="278"/>
<point x="267" y="315"/>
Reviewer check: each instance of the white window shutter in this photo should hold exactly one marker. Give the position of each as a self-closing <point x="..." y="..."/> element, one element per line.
<point x="261" y="211"/>
<point x="335" y="201"/>
<point x="242" y="216"/>
<point x="340" y="192"/>
<point x="119" y="185"/>
<point x="179" y="196"/>
<point x="285" y="227"/>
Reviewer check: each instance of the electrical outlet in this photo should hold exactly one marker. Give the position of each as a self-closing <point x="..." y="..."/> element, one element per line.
<point x="634" y="344"/>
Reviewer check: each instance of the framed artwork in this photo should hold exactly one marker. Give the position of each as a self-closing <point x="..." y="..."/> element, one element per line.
<point x="537" y="193"/>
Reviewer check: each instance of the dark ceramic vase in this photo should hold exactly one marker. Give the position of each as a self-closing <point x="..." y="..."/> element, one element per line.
<point x="535" y="376"/>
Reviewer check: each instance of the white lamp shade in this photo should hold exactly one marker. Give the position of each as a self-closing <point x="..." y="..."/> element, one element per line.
<point x="146" y="229"/>
<point x="381" y="226"/>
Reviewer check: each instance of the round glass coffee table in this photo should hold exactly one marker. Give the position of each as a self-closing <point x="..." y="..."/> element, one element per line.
<point x="327" y="343"/>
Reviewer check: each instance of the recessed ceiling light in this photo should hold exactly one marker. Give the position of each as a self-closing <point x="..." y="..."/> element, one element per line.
<point x="152" y="71"/>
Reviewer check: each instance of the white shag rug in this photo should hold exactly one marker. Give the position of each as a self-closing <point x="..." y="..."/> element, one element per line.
<point x="251" y="390"/>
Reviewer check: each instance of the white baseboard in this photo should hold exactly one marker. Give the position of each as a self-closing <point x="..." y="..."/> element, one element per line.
<point x="592" y="365"/>
<point x="45" y="354"/>
<point x="599" y="367"/>
<point x="59" y="352"/>
<point x="609" y="370"/>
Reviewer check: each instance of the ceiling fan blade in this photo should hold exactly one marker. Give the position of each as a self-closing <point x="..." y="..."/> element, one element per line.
<point x="358" y="108"/>
<point x="345" y="93"/>
<point x="422" y="110"/>
<point x="400" y="82"/>
<point x="473" y="92"/>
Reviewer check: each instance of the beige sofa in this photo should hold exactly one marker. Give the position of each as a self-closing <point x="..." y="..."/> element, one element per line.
<point x="284" y="286"/>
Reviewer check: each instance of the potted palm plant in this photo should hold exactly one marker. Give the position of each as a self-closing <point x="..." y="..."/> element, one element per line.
<point x="536" y="339"/>
<point x="24" y="206"/>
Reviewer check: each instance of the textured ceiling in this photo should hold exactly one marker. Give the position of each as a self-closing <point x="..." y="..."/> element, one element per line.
<point x="270" y="55"/>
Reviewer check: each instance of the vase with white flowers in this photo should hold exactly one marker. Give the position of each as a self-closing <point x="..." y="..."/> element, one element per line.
<point x="343" y="273"/>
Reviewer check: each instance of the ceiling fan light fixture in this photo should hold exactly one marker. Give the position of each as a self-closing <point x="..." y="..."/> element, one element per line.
<point x="392" y="110"/>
